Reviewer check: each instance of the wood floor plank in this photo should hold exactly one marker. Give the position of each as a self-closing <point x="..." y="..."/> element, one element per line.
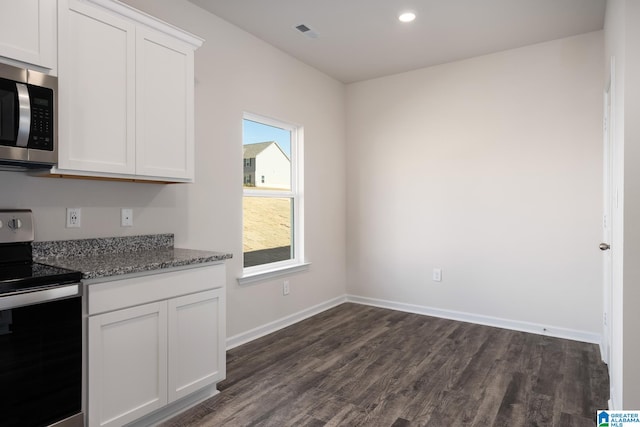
<point x="539" y="410"/>
<point x="492" y="394"/>
<point x="349" y="415"/>
<point x="356" y="365"/>
<point x="441" y="372"/>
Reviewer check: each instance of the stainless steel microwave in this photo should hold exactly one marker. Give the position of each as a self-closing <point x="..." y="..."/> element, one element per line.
<point x="28" y="127"/>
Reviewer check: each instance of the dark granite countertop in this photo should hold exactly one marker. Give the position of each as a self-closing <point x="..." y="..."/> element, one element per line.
<point x="106" y="257"/>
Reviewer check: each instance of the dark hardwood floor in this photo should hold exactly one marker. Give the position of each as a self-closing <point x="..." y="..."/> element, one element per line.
<point x="356" y="365"/>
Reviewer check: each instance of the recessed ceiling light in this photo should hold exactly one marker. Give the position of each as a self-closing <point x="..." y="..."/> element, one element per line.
<point x="406" y="16"/>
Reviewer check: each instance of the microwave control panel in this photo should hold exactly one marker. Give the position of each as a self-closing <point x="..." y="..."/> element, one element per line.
<point x="41" y="135"/>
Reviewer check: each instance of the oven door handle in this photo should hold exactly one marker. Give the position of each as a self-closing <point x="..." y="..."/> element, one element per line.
<point x="39" y="296"/>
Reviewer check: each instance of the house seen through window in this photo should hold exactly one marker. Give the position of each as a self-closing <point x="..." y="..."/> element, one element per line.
<point x="271" y="194"/>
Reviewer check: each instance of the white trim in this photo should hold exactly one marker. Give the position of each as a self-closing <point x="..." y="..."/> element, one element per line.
<point x="263" y="275"/>
<point x="150" y="21"/>
<point x="516" y="325"/>
<point x="283" y="322"/>
<point x="616" y="297"/>
<point x="271" y="121"/>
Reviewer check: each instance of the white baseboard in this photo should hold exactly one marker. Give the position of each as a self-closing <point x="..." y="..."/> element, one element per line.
<point x="515" y="325"/>
<point x="603" y="354"/>
<point x="276" y="325"/>
<point x="479" y="319"/>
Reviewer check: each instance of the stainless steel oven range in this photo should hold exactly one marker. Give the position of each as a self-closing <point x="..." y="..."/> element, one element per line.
<point x="40" y="333"/>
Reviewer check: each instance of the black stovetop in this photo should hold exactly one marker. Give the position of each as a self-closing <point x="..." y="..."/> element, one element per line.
<point x="25" y="277"/>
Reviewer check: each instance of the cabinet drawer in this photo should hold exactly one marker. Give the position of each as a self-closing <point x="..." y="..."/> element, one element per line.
<point x="118" y="294"/>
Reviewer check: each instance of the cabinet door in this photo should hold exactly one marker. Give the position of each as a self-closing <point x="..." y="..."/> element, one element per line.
<point x="164" y="106"/>
<point x="96" y="90"/>
<point x="28" y="32"/>
<point x="127" y="364"/>
<point x="196" y="342"/>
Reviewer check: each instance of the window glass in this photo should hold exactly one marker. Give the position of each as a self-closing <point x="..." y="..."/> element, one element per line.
<point x="267" y="156"/>
<point x="271" y="193"/>
<point x="267" y="230"/>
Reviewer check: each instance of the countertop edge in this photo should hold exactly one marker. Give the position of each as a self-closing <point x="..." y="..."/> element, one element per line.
<point x="146" y="261"/>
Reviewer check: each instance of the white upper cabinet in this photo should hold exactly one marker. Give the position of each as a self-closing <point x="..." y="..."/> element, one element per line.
<point x="28" y="34"/>
<point x="96" y="114"/>
<point x="164" y="106"/>
<point x="126" y="94"/>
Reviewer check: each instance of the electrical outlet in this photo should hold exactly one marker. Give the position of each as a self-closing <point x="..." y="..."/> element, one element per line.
<point x="126" y="217"/>
<point x="73" y="217"/>
<point x="437" y="275"/>
<point x="285" y="287"/>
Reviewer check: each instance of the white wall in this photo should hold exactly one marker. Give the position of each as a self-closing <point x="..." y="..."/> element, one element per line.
<point x="622" y="36"/>
<point x="235" y="72"/>
<point x="491" y="169"/>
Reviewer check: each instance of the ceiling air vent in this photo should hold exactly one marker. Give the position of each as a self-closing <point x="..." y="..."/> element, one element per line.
<point x="307" y="31"/>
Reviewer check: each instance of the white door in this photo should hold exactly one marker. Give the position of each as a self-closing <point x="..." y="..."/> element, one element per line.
<point x="127" y="364"/>
<point x="606" y="227"/>
<point x="196" y="342"/>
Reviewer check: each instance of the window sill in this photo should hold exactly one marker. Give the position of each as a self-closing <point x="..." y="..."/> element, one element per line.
<point x="263" y="275"/>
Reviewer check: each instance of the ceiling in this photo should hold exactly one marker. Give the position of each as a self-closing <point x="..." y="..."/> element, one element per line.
<point x="363" y="39"/>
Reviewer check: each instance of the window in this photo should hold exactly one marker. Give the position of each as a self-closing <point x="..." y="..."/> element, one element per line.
<point x="272" y="203"/>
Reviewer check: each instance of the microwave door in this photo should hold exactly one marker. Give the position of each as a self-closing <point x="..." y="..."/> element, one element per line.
<point x="8" y="118"/>
<point x="12" y="128"/>
<point x="15" y="113"/>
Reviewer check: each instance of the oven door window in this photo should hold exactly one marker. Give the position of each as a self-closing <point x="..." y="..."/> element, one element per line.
<point x="8" y="112"/>
<point x="41" y="363"/>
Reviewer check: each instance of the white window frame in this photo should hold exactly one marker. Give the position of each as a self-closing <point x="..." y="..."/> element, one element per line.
<point x="297" y="262"/>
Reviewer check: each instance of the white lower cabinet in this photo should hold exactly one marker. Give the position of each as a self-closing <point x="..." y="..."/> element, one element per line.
<point x="144" y="357"/>
<point x="128" y="364"/>
<point x="195" y="356"/>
